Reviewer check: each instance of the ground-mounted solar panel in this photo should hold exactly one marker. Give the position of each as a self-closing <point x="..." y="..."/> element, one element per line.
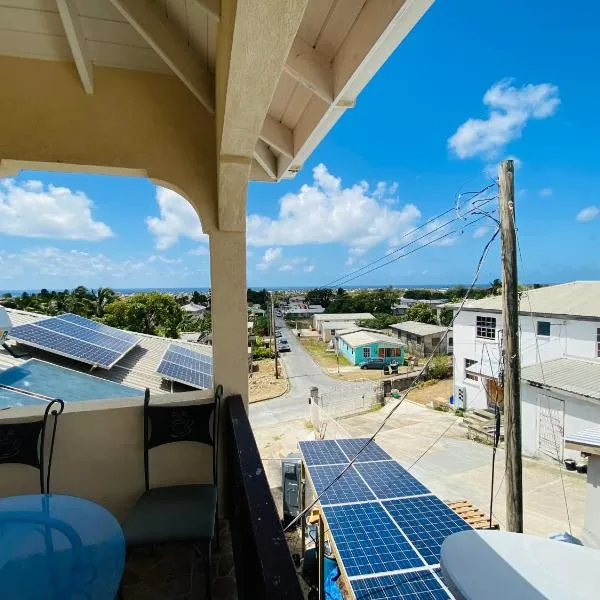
<point x="426" y="522"/>
<point x="186" y="366"/>
<point x="388" y="479"/>
<point x="414" y="585"/>
<point x="77" y="338"/>
<point x="367" y="540"/>
<point x="322" y="452"/>
<point x="372" y="451"/>
<point x="348" y="488"/>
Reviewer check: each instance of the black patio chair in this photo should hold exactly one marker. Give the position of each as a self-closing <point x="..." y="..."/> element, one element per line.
<point x="25" y="443"/>
<point x="180" y="513"/>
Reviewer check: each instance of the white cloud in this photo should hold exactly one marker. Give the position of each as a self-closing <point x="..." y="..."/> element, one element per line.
<point x="588" y="214"/>
<point x="546" y="192"/>
<point x="199" y="251"/>
<point x="177" y="219"/>
<point x="286" y="267"/>
<point x="325" y="213"/>
<point x="480" y="231"/>
<point x="309" y="268"/>
<point x="270" y="256"/>
<point x="164" y="259"/>
<point x="510" y="108"/>
<point x="30" y="209"/>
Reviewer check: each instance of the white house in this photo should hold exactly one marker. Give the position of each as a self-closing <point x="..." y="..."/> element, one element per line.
<point x="346" y="317"/>
<point x="196" y="310"/>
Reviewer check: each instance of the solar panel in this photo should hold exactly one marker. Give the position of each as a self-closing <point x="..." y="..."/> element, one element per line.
<point x="186" y="366"/>
<point x="426" y="522"/>
<point x="351" y="448"/>
<point x="388" y="479"/>
<point x="78" y="338"/>
<point x="414" y="585"/>
<point x="368" y="541"/>
<point x="349" y="488"/>
<point x="322" y="452"/>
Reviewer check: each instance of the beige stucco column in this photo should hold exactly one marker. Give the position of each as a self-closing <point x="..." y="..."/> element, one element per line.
<point x="229" y="311"/>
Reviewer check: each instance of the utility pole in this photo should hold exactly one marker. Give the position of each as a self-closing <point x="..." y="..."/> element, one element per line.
<point x="274" y="337"/>
<point x="510" y="342"/>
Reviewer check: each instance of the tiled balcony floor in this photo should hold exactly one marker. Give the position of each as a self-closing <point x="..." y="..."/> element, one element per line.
<point x="164" y="572"/>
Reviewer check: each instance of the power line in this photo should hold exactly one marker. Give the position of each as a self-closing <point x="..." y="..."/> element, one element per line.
<point x="412" y="385"/>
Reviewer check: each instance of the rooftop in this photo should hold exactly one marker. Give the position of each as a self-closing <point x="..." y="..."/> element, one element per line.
<point x="418" y="328"/>
<point x="361" y="337"/>
<point x="589" y="438"/>
<point x="137" y="368"/>
<point x="574" y="375"/>
<point x="577" y="299"/>
<point x="343" y="317"/>
<point x="338" y="325"/>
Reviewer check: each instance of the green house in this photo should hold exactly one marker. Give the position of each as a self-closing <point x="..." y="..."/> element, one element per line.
<point x="362" y="345"/>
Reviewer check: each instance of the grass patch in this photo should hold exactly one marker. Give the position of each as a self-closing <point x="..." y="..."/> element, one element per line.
<point x="308" y="425"/>
<point x="318" y="351"/>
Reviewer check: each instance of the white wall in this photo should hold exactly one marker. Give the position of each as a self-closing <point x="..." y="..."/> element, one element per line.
<point x="591" y="526"/>
<point x="578" y="413"/>
<point x="567" y="337"/>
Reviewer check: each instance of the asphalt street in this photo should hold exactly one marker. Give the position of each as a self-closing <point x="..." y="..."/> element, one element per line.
<point x="304" y="373"/>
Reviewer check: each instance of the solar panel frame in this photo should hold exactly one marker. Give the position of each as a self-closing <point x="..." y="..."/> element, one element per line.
<point x="322" y="452"/>
<point x="186" y="366"/>
<point x="373" y="452"/>
<point x="426" y="522"/>
<point x="387" y="479"/>
<point x="412" y="585"/>
<point x="368" y="541"/>
<point x="348" y="488"/>
<point x="101" y="327"/>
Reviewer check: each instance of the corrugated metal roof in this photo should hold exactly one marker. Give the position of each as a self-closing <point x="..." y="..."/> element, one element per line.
<point x="589" y="437"/>
<point x="362" y="337"/>
<point x="575" y="375"/>
<point x="137" y="368"/>
<point x="417" y="328"/>
<point x="578" y="299"/>
<point x="338" y="324"/>
<point x="343" y="317"/>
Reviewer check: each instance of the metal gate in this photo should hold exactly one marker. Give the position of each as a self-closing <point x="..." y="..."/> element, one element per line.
<point x="551" y="426"/>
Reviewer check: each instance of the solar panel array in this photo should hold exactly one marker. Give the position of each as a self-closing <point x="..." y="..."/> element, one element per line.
<point x="77" y="338"/>
<point x="386" y="526"/>
<point x="186" y="366"/>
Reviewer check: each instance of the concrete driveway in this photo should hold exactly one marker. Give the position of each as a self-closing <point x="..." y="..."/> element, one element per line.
<point x="303" y="373"/>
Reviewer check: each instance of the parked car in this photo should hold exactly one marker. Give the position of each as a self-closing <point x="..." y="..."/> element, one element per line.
<point x="278" y="333"/>
<point x="283" y="345"/>
<point x="376" y="363"/>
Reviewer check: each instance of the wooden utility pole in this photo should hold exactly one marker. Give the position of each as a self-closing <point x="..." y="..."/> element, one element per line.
<point x="510" y="341"/>
<point x="274" y="337"/>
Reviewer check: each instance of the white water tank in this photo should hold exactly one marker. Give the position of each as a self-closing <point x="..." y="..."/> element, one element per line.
<point x="5" y="324"/>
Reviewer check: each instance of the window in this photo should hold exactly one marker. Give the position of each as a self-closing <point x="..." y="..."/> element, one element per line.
<point x="543" y="328"/>
<point x="486" y="328"/>
<point x="367" y="352"/>
<point x="468" y="363"/>
<point x="450" y="342"/>
<point x="598" y="342"/>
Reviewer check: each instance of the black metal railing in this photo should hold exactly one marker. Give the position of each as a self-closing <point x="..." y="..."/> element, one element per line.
<point x="263" y="564"/>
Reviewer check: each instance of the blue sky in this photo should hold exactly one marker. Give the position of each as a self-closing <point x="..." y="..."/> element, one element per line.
<point x="470" y="85"/>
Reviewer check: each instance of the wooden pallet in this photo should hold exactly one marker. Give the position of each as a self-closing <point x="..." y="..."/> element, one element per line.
<point x="475" y="517"/>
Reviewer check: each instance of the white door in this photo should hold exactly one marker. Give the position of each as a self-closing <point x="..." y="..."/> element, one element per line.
<point x="551" y="426"/>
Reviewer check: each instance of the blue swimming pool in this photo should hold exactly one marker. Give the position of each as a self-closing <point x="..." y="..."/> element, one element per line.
<point x="36" y="378"/>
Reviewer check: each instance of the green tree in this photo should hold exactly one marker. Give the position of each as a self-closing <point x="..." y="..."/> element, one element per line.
<point x="104" y="296"/>
<point x="381" y="321"/>
<point x="320" y="296"/>
<point x="198" y="298"/>
<point x="422" y="313"/>
<point x="152" y="312"/>
<point x="258" y="297"/>
<point x="446" y="316"/>
<point x="496" y="287"/>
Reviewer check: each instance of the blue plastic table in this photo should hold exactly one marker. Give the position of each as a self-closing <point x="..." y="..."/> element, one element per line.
<point x="58" y="548"/>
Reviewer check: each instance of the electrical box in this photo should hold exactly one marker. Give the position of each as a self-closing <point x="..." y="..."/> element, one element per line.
<point x="291" y="484"/>
<point x="461" y="397"/>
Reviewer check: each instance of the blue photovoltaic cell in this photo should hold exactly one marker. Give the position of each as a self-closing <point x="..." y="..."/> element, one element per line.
<point x="348" y="488"/>
<point x="112" y="331"/>
<point x="351" y="447"/>
<point x="388" y="479"/>
<point x="416" y="585"/>
<point x="426" y="522"/>
<point x="186" y="366"/>
<point x="367" y="539"/>
<point x="322" y="452"/>
<point x="67" y="346"/>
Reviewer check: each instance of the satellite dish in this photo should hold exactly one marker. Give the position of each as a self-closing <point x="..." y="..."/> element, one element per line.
<point x="5" y="324"/>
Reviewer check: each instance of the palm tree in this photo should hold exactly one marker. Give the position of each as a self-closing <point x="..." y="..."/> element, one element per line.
<point x="103" y="297"/>
<point x="496" y="287"/>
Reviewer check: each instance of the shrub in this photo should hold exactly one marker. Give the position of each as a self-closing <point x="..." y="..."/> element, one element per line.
<point x="440" y="367"/>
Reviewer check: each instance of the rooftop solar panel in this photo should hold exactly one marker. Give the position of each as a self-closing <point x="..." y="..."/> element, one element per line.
<point x="186" y="366"/>
<point x="85" y="334"/>
<point x="322" y="452"/>
<point x="414" y="585"/>
<point x="388" y="479"/>
<point x="112" y="331"/>
<point x="352" y="447"/>
<point x="426" y="522"/>
<point x="368" y="541"/>
<point x="349" y="488"/>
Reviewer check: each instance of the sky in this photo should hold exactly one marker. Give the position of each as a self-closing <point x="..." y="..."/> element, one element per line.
<point x="469" y="86"/>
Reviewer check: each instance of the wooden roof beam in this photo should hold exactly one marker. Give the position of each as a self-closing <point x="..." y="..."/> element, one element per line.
<point x="167" y="42"/>
<point x="266" y="159"/>
<point x="278" y="136"/>
<point x="211" y="7"/>
<point x="310" y="68"/>
<point x="72" y="26"/>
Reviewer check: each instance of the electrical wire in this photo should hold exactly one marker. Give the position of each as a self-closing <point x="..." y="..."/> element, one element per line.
<point x="412" y="385"/>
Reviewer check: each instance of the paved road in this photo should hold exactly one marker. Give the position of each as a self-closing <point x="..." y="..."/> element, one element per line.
<point x="303" y="373"/>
